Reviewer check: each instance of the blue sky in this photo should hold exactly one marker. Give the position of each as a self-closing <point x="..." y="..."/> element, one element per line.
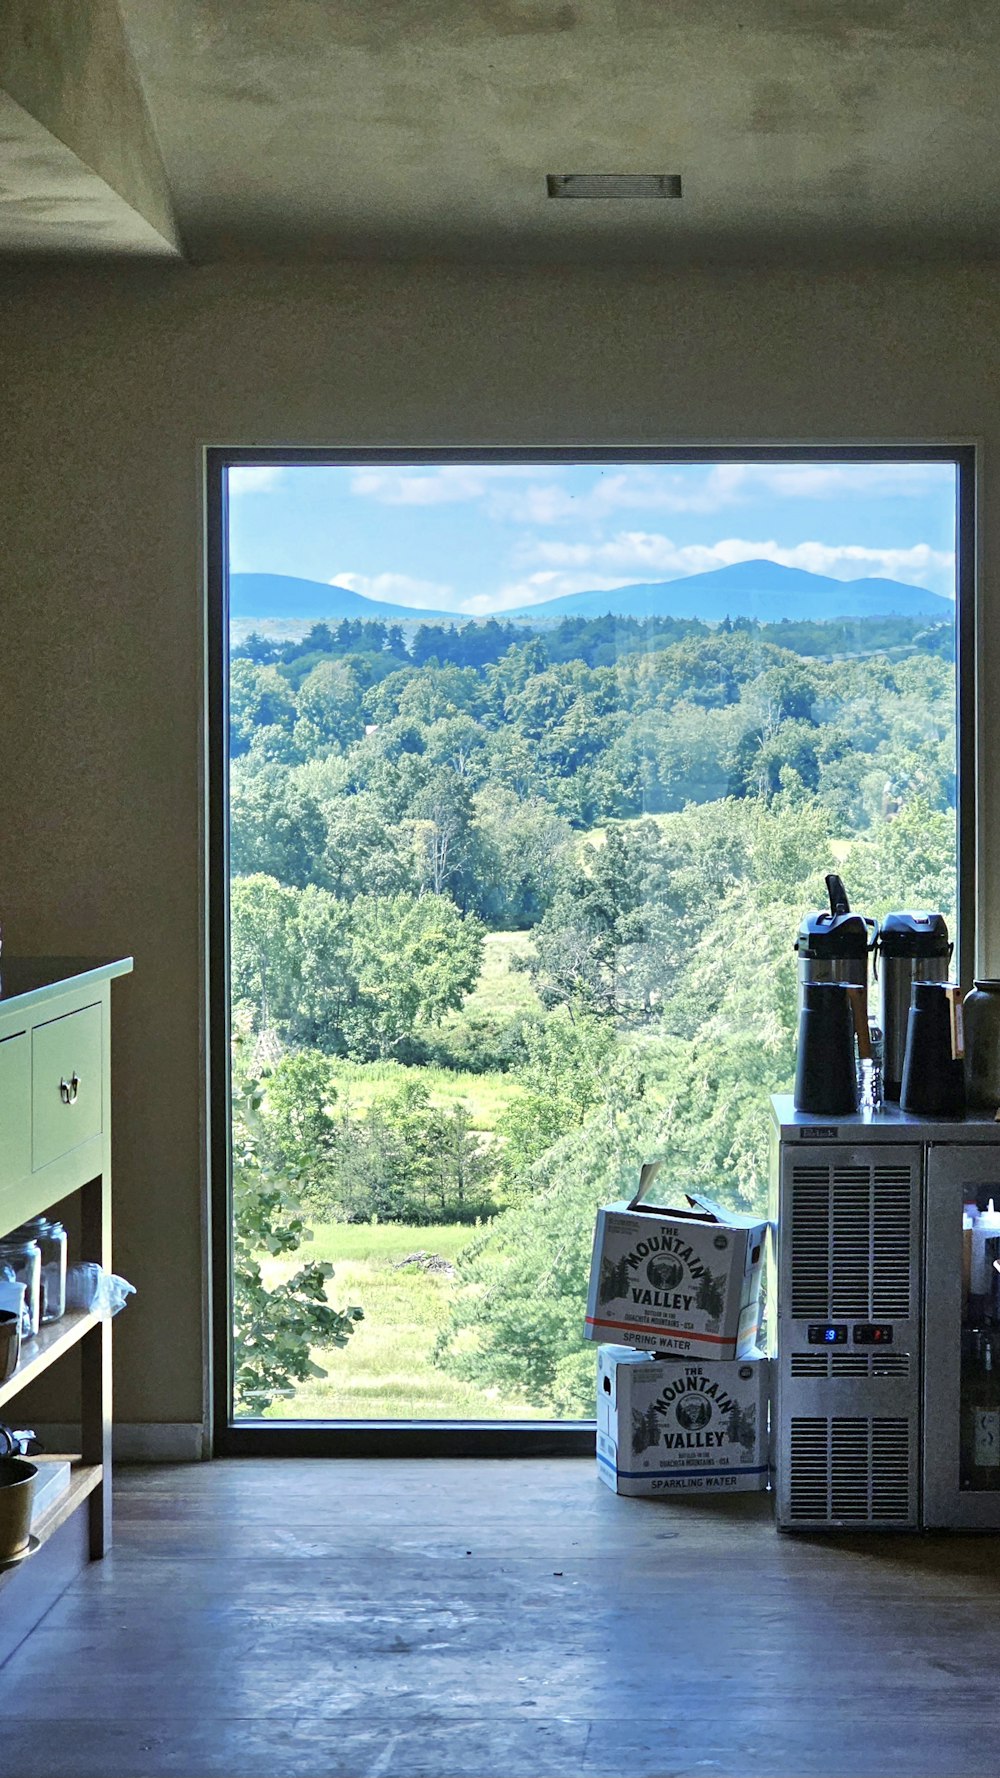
<point x="478" y="538"/>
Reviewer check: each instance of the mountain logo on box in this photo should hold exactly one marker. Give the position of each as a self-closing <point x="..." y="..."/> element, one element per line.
<point x="700" y="1409"/>
<point x="663" y="1243"/>
<point x="673" y="1277"/>
<point x="665" y="1273"/>
<point x="675" y="1264"/>
<point x="692" y="1389"/>
<point x="693" y="1412"/>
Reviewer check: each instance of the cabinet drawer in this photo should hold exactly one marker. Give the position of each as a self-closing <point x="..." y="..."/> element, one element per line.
<point x="66" y="1084"/>
<point x="15" y="1107"/>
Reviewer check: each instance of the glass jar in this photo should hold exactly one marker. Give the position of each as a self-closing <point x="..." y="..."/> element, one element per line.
<point x="24" y="1258"/>
<point x="981" y="1013"/>
<point x="51" y="1239"/>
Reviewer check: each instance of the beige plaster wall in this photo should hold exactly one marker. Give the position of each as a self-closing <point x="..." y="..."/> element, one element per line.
<point x="112" y="384"/>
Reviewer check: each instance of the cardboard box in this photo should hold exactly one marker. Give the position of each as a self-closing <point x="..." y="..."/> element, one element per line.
<point x="54" y="1475"/>
<point x="668" y="1423"/>
<point x="681" y="1281"/>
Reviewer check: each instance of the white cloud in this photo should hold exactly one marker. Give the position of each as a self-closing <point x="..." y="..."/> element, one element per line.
<point x="399" y="589"/>
<point x="835" y="481"/>
<point x="255" y="478"/>
<point x="538" y="504"/>
<point x="400" y="487"/>
<point x="633" y="552"/>
<point x="653" y="490"/>
<point x="437" y="485"/>
<point x="664" y="488"/>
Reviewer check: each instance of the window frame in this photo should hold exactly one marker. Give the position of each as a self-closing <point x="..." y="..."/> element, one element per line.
<point x="477" y="1438"/>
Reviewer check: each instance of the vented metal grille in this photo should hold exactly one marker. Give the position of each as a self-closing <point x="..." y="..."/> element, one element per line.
<point x="850" y="1243"/>
<point x="849" y="1364"/>
<point x="849" y="1469"/>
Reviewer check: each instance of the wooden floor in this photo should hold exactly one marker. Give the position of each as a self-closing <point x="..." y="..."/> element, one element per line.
<point x="484" y="1618"/>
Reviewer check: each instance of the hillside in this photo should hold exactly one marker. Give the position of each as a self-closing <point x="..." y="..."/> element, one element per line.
<point x="763" y="590"/>
<point x="285" y="596"/>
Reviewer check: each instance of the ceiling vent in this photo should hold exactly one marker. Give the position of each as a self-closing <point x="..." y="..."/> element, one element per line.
<point x="613" y="185"/>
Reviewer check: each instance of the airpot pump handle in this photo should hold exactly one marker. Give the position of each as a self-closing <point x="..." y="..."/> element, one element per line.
<point x="839" y="903"/>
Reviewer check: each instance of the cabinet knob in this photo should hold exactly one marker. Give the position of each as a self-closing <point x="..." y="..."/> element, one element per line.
<point x="69" y="1089"/>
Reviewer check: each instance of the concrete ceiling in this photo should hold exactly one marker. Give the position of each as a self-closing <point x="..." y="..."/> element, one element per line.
<point x="808" y="130"/>
<point x="80" y="167"/>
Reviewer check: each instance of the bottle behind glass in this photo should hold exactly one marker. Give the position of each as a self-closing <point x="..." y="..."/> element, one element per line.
<point x="980" y="1428"/>
<point x="981" y="1009"/>
<point x="871" y="1094"/>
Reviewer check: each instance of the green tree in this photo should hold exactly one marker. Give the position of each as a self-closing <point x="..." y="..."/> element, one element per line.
<point x="517" y="1319"/>
<point x="329" y="708"/>
<point x="297" y="1126"/>
<point x="264" y="950"/>
<point x="457" y="742"/>
<point x="597" y="927"/>
<point x="276" y="1329"/>
<point x="906" y="861"/>
<point x="364" y="854"/>
<point x="459" y="1167"/>
<point x="443" y="810"/>
<point x="413" y="958"/>
<point x="569" y="1068"/>
<point x="259" y="696"/>
<point x="516" y="847"/>
<point x="327" y="983"/>
<point x="276" y="826"/>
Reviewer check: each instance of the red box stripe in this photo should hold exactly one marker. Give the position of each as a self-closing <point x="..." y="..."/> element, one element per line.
<point x="672" y="1333"/>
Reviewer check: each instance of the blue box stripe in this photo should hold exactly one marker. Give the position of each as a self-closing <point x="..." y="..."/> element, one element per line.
<point x="646" y="1475"/>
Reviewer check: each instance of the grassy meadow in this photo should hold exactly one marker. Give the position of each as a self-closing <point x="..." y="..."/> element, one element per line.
<point x="501" y="990"/>
<point x="485" y="1096"/>
<point x="386" y="1370"/>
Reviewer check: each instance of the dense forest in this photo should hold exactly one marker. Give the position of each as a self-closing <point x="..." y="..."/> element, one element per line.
<point x="651" y="805"/>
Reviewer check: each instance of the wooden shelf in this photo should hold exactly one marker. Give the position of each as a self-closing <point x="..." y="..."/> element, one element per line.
<point x="84" y="1478"/>
<point x="82" y="1482"/>
<point x="50" y="1343"/>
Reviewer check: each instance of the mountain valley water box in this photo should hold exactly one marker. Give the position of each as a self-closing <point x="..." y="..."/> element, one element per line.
<point x="678" y="1281"/>
<point x="669" y="1423"/>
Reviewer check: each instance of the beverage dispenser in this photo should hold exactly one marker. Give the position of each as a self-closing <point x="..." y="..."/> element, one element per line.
<point x="834" y="946"/>
<point x="912" y="947"/>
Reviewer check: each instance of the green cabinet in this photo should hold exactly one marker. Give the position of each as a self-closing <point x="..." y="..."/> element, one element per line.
<point x="15" y="1101"/>
<point x="66" y="1084"/>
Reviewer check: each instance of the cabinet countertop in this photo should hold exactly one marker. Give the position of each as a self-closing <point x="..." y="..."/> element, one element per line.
<point x="29" y="981"/>
<point x="887" y="1125"/>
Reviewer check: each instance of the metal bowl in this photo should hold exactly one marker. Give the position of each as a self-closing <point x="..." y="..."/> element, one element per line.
<point x="17" y="1487"/>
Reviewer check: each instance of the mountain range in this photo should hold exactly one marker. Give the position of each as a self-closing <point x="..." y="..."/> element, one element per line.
<point x="763" y="590"/>
<point x="282" y="595"/>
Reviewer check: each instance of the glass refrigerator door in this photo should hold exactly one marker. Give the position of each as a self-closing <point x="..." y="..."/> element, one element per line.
<point x="961" y="1419"/>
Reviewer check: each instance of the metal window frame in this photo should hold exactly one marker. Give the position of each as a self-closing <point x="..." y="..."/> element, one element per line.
<point x="450" y="1438"/>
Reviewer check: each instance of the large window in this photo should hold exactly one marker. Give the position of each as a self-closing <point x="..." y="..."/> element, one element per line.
<point x="530" y="768"/>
